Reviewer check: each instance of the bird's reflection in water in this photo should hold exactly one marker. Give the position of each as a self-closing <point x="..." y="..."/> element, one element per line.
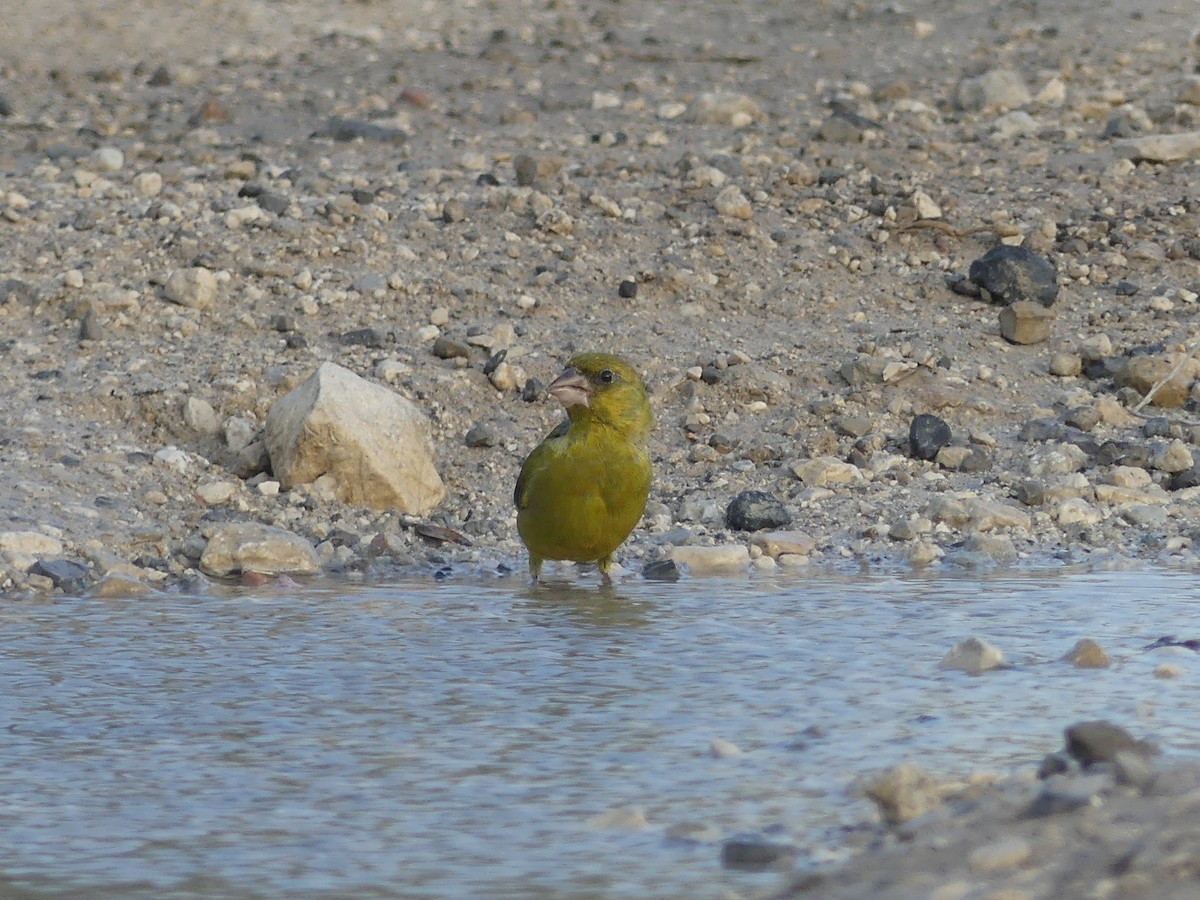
<point x="553" y="603"/>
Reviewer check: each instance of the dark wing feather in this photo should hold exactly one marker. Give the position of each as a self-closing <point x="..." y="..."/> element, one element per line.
<point x="559" y="431"/>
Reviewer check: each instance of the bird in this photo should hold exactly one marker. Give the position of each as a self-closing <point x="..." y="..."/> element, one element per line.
<point x="582" y="490"/>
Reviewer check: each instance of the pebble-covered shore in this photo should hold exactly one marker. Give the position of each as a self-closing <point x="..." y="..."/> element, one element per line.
<point x="785" y="231"/>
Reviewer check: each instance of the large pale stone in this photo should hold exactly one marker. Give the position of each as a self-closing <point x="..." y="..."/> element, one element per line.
<point x="372" y="442"/>
<point x="782" y="543"/>
<point x="1162" y="147"/>
<point x="32" y="543"/>
<point x="254" y="547"/>
<point x="701" y="561"/>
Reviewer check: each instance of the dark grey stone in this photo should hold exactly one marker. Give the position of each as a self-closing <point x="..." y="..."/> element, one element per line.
<point x="1009" y="274"/>
<point x="67" y="576"/>
<point x="927" y="435"/>
<point x="482" y="436"/>
<point x="661" y="570"/>
<point x="1100" y="741"/>
<point x="754" y="511"/>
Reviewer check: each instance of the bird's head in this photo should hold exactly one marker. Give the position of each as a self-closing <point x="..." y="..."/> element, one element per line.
<point x="602" y="388"/>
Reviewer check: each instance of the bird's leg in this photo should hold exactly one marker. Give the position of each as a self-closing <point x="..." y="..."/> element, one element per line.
<point x="535" y="567"/>
<point x="604" y="565"/>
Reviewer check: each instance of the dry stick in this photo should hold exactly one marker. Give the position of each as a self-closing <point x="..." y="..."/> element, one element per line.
<point x="947" y="228"/>
<point x="1157" y="386"/>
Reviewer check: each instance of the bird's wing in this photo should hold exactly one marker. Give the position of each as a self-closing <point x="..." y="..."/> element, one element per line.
<point x="533" y="461"/>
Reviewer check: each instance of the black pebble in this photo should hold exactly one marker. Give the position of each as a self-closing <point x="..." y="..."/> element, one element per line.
<point x="364" y="337"/>
<point x="627" y="289"/>
<point x="1100" y="741"/>
<point x="493" y="362"/>
<point x="1037" y="430"/>
<point x="532" y="390"/>
<point x="273" y="202"/>
<point x="67" y="576"/>
<point x="661" y="570"/>
<point x="1188" y="478"/>
<point x="754" y="511"/>
<point x="1009" y="274"/>
<point x="482" y="436"/>
<point x="926" y="436"/>
<point x="445" y="348"/>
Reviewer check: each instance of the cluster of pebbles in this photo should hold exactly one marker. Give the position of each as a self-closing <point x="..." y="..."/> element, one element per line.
<point x="911" y="307"/>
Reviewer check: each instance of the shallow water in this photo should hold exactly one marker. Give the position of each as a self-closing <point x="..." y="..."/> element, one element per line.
<point x="468" y="739"/>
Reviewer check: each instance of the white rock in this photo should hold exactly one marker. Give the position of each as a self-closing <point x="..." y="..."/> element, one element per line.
<point x="701" y="561"/>
<point x="391" y="369"/>
<point x="1076" y="511"/>
<point x="245" y="215"/>
<point x="240" y="432"/>
<point x="974" y="655"/>
<point x="1162" y="147"/>
<point x="253" y="547"/>
<point x="732" y="202"/>
<point x="779" y="543"/>
<point x="373" y="442"/>
<point x="174" y="458"/>
<point x="1053" y="93"/>
<point x="1128" y="477"/>
<point x="826" y="470"/>
<point x="719" y="108"/>
<point x="925" y="205"/>
<point x="199" y="416"/>
<point x="706" y="176"/>
<point x="605" y="100"/>
<point x="988" y="515"/>
<point x="723" y="749"/>
<point x="29" y="543"/>
<point x="1059" y="460"/>
<point x="217" y="492"/>
<point x="195" y="288"/>
<point x="999" y="89"/>
<point x="148" y="184"/>
<point x="1171" y="457"/>
<point x="1015" y="124"/>
<point x="106" y="159"/>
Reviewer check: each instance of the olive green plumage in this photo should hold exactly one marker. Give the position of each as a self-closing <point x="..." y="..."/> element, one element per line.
<point x="584" y="488"/>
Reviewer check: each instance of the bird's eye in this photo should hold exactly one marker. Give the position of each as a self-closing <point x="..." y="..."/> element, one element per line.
<point x="606" y="376"/>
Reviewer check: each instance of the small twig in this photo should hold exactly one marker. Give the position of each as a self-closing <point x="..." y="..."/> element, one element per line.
<point x="1158" y="385"/>
<point x="947" y="228"/>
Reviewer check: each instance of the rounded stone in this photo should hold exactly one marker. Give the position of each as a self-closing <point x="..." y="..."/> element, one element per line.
<point x="754" y="511"/>
<point x="1009" y="274"/>
<point x="927" y="434"/>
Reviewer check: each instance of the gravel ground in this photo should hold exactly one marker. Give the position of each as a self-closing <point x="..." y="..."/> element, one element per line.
<point x="771" y="209"/>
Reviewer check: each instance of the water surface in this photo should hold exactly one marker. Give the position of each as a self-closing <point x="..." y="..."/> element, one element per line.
<point x="480" y="739"/>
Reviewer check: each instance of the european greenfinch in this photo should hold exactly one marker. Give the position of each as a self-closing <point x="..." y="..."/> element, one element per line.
<point x="584" y="488"/>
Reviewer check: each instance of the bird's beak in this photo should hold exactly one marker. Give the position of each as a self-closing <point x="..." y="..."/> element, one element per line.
<point x="570" y="389"/>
